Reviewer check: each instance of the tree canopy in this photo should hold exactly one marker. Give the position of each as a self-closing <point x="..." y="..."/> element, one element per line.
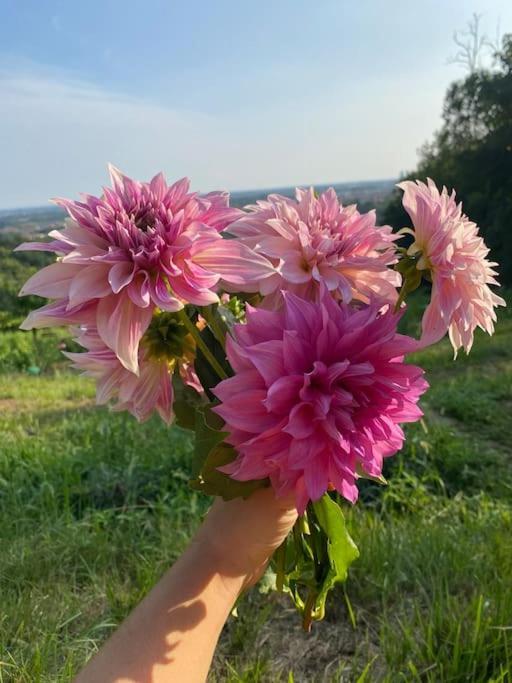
<point x="16" y="268"/>
<point x="472" y="153"/>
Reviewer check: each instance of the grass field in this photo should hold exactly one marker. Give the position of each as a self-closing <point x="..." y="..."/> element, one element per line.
<point x="94" y="507"/>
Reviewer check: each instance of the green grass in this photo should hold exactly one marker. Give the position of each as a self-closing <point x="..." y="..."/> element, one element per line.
<point x="94" y="507"/>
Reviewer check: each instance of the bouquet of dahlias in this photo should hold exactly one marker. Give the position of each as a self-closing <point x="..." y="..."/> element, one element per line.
<point x="271" y="333"/>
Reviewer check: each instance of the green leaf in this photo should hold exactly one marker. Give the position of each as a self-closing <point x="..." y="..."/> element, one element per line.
<point x="341" y="549"/>
<point x="186" y="402"/>
<point x="208" y="428"/>
<point x="231" y="314"/>
<point x="215" y="483"/>
<point x="207" y="375"/>
<point x="411" y="279"/>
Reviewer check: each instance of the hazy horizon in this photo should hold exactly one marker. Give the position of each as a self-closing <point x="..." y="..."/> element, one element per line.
<point x="233" y="193"/>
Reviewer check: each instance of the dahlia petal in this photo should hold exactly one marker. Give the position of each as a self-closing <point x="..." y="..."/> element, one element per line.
<point x="238" y="383"/>
<point x="245" y="470"/>
<point x="139" y="290"/>
<point x="295" y="352"/>
<point x="55" y="246"/>
<point x="234" y="262"/>
<point x="282" y="392"/>
<point x="316" y="479"/>
<point x="301" y="495"/>
<point x="83" y="254"/>
<point x="89" y="283"/>
<point x="57" y="313"/>
<point x="121" y="325"/>
<point x="304" y="450"/>
<point x="162" y="297"/>
<point x="246" y="412"/>
<point x="51" y="282"/>
<point x="433" y="326"/>
<point x="192" y="295"/>
<point x="300" y="424"/>
<point x="267" y="358"/>
<point x="75" y="235"/>
<point x="295" y="269"/>
<point x="120" y="275"/>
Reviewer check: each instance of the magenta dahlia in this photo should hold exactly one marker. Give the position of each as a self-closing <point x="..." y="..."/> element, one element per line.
<point x="316" y="241"/>
<point x="448" y="246"/>
<point x="138" y="247"/>
<point x="318" y="396"/>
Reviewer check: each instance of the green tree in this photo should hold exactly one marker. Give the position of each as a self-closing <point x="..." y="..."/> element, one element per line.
<point x="472" y="152"/>
<point x="15" y="269"/>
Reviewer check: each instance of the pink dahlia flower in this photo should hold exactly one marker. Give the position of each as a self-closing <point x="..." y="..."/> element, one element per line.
<point x="150" y="390"/>
<point x="137" y="247"/>
<point x="318" y="395"/>
<point x="447" y="244"/>
<point x="316" y="240"/>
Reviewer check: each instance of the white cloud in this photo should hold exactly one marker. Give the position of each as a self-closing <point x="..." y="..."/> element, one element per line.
<point x="57" y="135"/>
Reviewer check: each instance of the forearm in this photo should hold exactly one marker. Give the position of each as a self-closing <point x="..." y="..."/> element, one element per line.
<point x="172" y="633"/>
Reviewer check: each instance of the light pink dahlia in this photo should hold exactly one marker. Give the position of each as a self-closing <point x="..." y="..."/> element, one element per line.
<point x="447" y="244"/>
<point x="138" y="247"/>
<point x="151" y="390"/>
<point x="316" y="240"/>
<point x="318" y="395"/>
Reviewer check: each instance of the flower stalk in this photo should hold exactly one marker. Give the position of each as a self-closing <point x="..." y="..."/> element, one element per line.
<point x="213" y="323"/>
<point x="214" y="363"/>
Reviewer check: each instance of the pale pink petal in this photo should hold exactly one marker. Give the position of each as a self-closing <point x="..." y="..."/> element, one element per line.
<point x="234" y="262"/>
<point x="52" y="282"/>
<point x="120" y="275"/>
<point x="89" y="283"/>
<point x="121" y="325"/>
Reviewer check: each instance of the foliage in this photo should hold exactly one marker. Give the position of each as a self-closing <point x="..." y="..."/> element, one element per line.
<point x="472" y="152"/>
<point x="39" y="350"/>
<point x="94" y="507"/>
<point x="16" y="268"/>
<point x="315" y="558"/>
<point x="36" y="351"/>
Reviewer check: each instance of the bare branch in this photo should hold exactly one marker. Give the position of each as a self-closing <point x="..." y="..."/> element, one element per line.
<point x="471" y="45"/>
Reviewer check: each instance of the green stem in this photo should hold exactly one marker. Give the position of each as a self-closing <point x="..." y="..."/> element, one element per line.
<point x="307" y="617"/>
<point x="214" y="326"/>
<point x="280" y="558"/>
<point x="217" y="367"/>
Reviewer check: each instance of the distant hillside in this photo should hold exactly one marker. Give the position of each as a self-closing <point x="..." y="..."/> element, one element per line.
<point x="367" y="194"/>
<point x="30" y="220"/>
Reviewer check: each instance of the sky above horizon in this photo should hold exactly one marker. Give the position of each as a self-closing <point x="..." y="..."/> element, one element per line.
<point x="235" y="95"/>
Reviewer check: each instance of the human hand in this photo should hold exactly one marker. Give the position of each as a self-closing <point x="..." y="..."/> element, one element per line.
<point x="241" y="535"/>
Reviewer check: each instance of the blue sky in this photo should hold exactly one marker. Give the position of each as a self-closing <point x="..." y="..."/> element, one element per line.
<point x="236" y="95"/>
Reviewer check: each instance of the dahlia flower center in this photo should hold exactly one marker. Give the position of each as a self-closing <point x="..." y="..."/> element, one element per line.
<point x="166" y="338"/>
<point x="315" y="389"/>
<point x="144" y="219"/>
<point x="326" y="401"/>
<point x="325" y="241"/>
